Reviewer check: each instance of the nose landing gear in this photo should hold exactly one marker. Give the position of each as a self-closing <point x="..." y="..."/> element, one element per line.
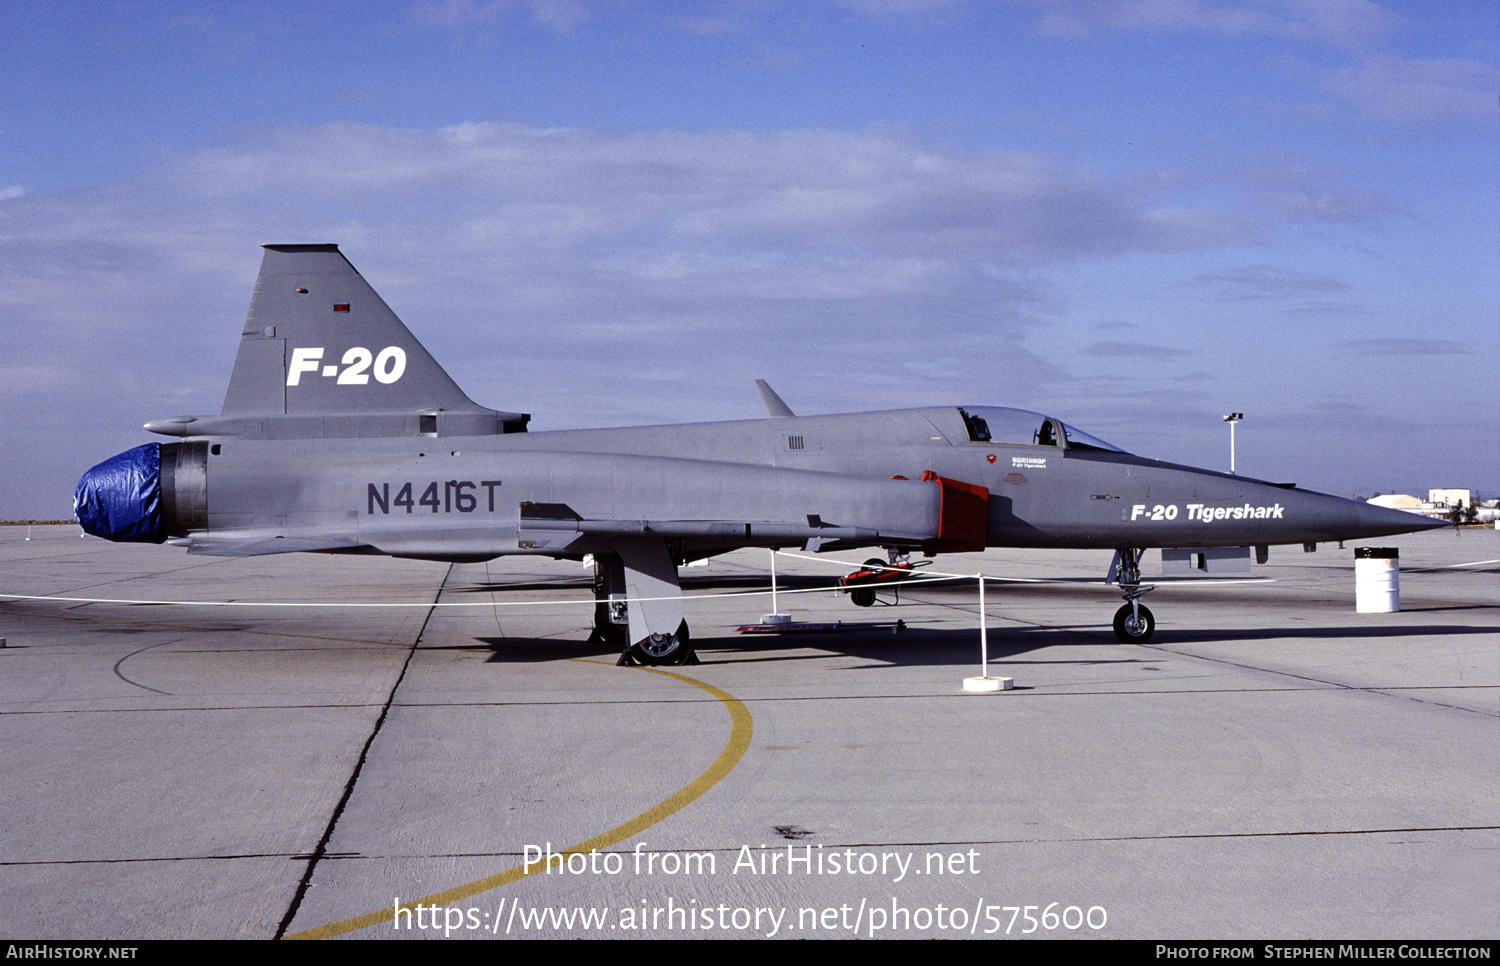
<point x="1134" y="622"/>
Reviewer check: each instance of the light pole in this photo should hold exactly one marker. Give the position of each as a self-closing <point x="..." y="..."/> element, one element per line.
<point x="1231" y="419"/>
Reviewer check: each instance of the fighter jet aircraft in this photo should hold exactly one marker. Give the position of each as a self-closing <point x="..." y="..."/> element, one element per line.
<point x="339" y="433"/>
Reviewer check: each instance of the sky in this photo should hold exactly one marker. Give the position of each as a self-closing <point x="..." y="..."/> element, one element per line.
<point x="1134" y="215"/>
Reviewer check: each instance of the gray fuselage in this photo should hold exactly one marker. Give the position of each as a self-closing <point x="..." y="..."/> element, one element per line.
<point x="462" y="496"/>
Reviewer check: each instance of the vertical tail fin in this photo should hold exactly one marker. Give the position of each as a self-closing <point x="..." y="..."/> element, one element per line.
<point x="318" y="340"/>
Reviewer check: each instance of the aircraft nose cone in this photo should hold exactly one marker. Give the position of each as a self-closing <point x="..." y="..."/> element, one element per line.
<point x="1379" y="521"/>
<point x="120" y="499"/>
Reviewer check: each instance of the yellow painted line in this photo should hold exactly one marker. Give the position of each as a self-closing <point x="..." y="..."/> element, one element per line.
<point x="739" y="742"/>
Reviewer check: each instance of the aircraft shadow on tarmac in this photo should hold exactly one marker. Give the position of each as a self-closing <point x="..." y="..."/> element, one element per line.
<point x="918" y="646"/>
<point x="533" y="650"/>
<point x="1203" y="636"/>
<point x="874" y="641"/>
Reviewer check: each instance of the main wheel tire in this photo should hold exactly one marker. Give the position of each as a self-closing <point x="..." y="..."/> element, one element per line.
<point x="862" y="596"/>
<point x="874" y="562"/>
<point x="663" y="649"/>
<point x="1130" y="629"/>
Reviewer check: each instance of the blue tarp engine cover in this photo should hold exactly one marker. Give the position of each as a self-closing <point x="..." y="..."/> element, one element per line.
<point x="120" y="499"/>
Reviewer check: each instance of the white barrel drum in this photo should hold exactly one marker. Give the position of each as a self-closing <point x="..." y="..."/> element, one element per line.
<point x="1377" y="580"/>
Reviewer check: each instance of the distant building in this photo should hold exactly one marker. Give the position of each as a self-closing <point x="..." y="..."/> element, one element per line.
<point x="1397" y="501"/>
<point x="1404" y="501"/>
<point x="1450" y="496"/>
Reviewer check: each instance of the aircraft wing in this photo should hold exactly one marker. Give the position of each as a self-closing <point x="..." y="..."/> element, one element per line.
<point x="578" y="536"/>
<point x="262" y="544"/>
<point x="563" y="532"/>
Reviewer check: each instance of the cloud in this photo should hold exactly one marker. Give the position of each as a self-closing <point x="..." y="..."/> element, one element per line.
<point x="19" y="381"/>
<point x="899" y="8"/>
<point x="1262" y="282"/>
<point x="1325" y="205"/>
<point x="558" y="15"/>
<point x="1383" y="86"/>
<point x="591" y="278"/>
<point x="1404" y="347"/>
<point x="1418" y="90"/>
<point x="830" y="193"/>
<point x="1337" y="23"/>
<point x="1134" y="350"/>
<point x="1289" y="291"/>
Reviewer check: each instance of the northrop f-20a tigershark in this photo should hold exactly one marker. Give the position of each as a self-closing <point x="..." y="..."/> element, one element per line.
<point x="339" y="433"/>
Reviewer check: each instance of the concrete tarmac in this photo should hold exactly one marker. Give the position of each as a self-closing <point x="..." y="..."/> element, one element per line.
<point x="293" y="745"/>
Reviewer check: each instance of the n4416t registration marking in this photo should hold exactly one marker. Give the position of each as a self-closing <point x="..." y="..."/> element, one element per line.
<point x="440" y="496"/>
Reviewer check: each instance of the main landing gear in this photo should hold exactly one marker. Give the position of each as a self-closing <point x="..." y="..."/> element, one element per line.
<point x="661" y="650"/>
<point x="1134" y="622"/>
<point x="640" y="635"/>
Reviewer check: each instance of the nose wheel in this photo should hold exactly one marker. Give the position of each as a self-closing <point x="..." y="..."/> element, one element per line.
<point x="1134" y="622"/>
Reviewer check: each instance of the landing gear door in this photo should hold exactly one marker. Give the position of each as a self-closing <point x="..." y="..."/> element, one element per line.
<point x="651" y="585"/>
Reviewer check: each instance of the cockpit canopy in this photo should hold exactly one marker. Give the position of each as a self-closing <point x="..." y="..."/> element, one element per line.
<point x="993" y="424"/>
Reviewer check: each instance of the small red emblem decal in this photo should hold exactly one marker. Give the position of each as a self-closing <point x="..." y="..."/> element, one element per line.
<point x="991" y="457"/>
